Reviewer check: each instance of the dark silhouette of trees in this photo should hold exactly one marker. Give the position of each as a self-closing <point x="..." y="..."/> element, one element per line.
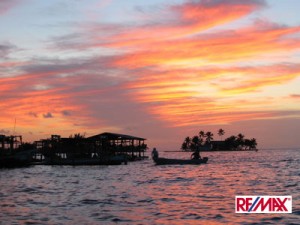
<point x="209" y="136"/>
<point x="240" y="143"/>
<point x="195" y="143"/>
<point x="186" y="145"/>
<point x="221" y="132"/>
<point x="202" y="134"/>
<point x="205" y="140"/>
<point x="231" y="143"/>
<point x="77" y="136"/>
<point x="188" y="141"/>
<point x="240" y="140"/>
<point x="252" y="143"/>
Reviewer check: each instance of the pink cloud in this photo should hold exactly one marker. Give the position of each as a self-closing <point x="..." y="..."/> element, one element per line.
<point x="6" y="5"/>
<point x="186" y="19"/>
<point x="295" y="96"/>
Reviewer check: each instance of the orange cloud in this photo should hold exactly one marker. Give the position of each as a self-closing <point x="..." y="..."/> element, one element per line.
<point x="295" y="96"/>
<point x="190" y="112"/>
<point x="258" y="77"/>
<point x="221" y="47"/>
<point x="210" y="95"/>
<point x="50" y="108"/>
<point x="177" y="72"/>
<point x="184" y="20"/>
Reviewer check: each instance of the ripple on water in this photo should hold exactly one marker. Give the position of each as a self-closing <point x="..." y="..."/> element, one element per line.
<point x="141" y="193"/>
<point x="93" y="202"/>
<point x="194" y="216"/>
<point x="146" y="200"/>
<point x="276" y="218"/>
<point x="168" y="199"/>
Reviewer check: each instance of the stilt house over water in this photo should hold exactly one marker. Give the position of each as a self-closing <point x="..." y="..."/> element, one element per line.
<point x="113" y="143"/>
<point x="98" y="146"/>
<point x="56" y="146"/>
<point x="13" y="152"/>
<point x="10" y="142"/>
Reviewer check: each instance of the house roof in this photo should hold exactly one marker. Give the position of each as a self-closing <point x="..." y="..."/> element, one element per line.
<point x="115" y="136"/>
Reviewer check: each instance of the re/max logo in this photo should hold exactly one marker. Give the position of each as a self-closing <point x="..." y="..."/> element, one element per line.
<point x="263" y="204"/>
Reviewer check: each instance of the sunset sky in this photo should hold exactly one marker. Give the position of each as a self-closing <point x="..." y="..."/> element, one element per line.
<point x="160" y="69"/>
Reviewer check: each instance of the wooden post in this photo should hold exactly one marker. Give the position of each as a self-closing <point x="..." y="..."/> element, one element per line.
<point x="132" y="148"/>
<point x="2" y="141"/>
<point x="140" y="148"/>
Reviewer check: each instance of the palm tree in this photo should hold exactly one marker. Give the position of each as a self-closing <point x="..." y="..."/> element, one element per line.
<point x="253" y="143"/>
<point x="201" y="135"/>
<point x="231" y="143"/>
<point x="240" y="140"/>
<point x="188" y="141"/>
<point x="247" y="144"/>
<point x="221" y="132"/>
<point x="195" y="143"/>
<point x="250" y="143"/>
<point x="186" y="145"/>
<point x="209" y="136"/>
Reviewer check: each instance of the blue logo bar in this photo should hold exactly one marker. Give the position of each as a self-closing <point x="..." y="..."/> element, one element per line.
<point x="254" y="203"/>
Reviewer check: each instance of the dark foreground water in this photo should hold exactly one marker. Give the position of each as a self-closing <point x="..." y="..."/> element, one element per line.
<point x="141" y="193"/>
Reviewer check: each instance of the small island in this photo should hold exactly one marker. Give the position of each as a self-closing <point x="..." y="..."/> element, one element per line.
<point x="204" y="141"/>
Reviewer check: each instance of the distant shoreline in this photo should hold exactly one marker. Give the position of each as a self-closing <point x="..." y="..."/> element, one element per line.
<point x="262" y="149"/>
<point x="215" y="150"/>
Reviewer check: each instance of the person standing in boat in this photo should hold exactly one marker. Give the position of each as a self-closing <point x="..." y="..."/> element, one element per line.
<point x="154" y="153"/>
<point x="196" y="154"/>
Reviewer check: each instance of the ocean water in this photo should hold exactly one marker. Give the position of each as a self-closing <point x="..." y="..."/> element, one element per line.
<point x="142" y="193"/>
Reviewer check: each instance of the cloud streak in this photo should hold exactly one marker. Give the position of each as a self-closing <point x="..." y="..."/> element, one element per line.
<point x="186" y="19"/>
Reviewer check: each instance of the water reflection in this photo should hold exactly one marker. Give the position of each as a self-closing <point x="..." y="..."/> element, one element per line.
<point x="143" y="193"/>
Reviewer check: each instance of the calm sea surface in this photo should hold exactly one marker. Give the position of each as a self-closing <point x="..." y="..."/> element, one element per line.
<point x="142" y="193"/>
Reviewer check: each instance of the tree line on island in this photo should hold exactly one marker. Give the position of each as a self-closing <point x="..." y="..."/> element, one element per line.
<point x="204" y="141"/>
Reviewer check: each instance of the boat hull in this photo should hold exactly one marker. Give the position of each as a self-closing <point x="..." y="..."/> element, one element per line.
<point x="18" y="159"/>
<point x="166" y="161"/>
